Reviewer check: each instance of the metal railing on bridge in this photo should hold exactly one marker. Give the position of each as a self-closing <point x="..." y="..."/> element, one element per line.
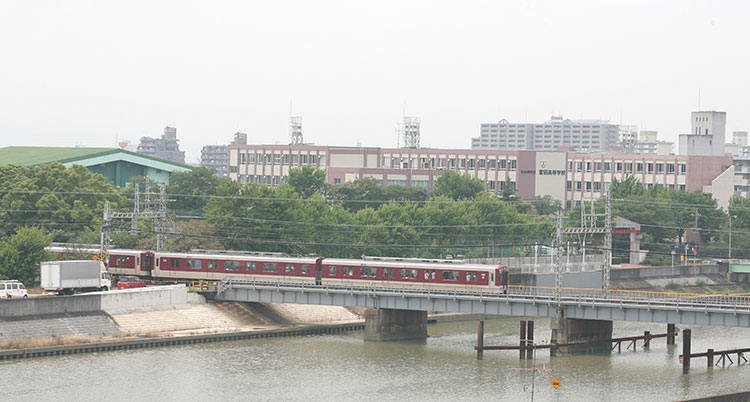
<point x="535" y="293"/>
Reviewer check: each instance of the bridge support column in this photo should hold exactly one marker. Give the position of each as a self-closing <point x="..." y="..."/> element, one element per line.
<point x="570" y="330"/>
<point x="395" y="325"/>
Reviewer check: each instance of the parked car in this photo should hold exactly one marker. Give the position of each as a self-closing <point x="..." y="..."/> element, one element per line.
<point x="12" y="289"/>
<point x="130" y="282"/>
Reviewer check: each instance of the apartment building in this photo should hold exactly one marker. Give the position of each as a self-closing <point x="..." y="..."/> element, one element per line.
<point x="583" y="135"/>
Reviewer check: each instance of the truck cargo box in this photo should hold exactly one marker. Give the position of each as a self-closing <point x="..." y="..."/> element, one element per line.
<point x="76" y="274"/>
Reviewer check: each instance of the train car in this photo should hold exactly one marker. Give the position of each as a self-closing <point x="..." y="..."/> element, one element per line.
<point x="414" y="273"/>
<point x="369" y="271"/>
<point x="130" y="262"/>
<point x="238" y="266"/>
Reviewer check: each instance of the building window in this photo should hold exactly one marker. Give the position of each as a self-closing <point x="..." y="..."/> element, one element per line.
<point x="570" y="185"/>
<point x="579" y="186"/>
<point x="579" y="166"/>
<point x="670" y="168"/>
<point x="639" y="167"/>
<point x="628" y="167"/>
<point x="607" y="167"/>
<point x="681" y="169"/>
<point x="649" y="168"/>
<point x="512" y="165"/>
<point x="618" y="167"/>
<point x="597" y="187"/>
<point x="659" y="168"/>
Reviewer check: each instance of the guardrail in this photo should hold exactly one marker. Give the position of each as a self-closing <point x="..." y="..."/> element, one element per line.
<point x="535" y="293"/>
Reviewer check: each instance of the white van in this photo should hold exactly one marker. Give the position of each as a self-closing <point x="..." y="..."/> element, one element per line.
<point x="12" y="289"/>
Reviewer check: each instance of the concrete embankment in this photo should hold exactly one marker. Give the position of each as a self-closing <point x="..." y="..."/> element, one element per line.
<point x="156" y="316"/>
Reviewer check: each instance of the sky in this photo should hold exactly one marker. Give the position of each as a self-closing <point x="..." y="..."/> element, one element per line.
<point x="91" y="73"/>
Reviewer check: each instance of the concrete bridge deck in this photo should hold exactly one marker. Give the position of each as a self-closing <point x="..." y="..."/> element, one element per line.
<point x="591" y="304"/>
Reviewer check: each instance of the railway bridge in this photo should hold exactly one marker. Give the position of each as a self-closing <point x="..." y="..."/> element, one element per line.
<point x="578" y="314"/>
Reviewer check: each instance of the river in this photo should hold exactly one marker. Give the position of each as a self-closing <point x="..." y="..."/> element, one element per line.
<point x="345" y="368"/>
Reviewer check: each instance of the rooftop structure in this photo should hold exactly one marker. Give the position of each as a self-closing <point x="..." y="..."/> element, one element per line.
<point x="706" y="135"/>
<point x="117" y="165"/>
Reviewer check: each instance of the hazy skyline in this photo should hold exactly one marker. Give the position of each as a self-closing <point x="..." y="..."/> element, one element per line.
<point x="88" y="73"/>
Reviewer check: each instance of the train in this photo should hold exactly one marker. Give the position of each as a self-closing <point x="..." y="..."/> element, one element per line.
<point x="213" y="265"/>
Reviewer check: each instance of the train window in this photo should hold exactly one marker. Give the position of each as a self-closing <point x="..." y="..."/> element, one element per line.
<point x="212" y="264"/>
<point x="147" y="261"/>
<point x="157" y="263"/>
<point x="332" y="270"/>
<point x="194" y="264"/>
<point x="289" y="268"/>
<point x="450" y="275"/>
<point x="429" y="274"/>
<point x="251" y="266"/>
<point x="305" y="269"/>
<point x="387" y="272"/>
<point x="368" y="272"/>
<point x="122" y="260"/>
<point x="408" y="274"/>
<point x="473" y="277"/>
<point x="231" y="265"/>
<point x="347" y="271"/>
<point x="270" y="267"/>
<point x="174" y="262"/>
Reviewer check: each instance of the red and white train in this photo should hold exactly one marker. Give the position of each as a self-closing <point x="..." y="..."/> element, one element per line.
<point x="376" y="271"/>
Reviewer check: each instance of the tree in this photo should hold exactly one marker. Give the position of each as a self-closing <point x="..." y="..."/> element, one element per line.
<point x="307" y="180"/>
<point x="191" y="190"/>
<point x="545" y="205"/>
<point x="625" y="188"/>
<point x="508" y="193"/>
<point x="21" y="253"/>
<point x="457" y="187"/>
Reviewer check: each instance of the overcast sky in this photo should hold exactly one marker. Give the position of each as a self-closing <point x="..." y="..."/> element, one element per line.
<point x="92" y="72"/>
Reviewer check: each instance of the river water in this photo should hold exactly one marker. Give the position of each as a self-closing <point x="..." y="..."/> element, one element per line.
<point x="345" y="368"/>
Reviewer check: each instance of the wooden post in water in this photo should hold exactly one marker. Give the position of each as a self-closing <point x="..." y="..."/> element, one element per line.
<point x="522" y="342"/>
<point x="671" y="332"/>
<point x="530" y="340"/>
<point x="480" y="340"/>
<point x="647" y="340"/>
<point x="710" y="358"/>
<point x="685" y="351"/>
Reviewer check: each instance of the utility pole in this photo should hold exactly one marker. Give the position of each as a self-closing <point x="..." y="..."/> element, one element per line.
<point x="729" y="253"/>
<point x="559" y="265"/>
<point x="607" y="243"/>
<point x="138" y="213"/>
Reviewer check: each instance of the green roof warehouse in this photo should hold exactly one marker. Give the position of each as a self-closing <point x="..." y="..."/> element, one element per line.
<point x="117" y="165"/>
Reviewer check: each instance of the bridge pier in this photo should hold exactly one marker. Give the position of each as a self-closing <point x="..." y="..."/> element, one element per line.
<point x="395" y="325"/>
<point x="568" y="330"/>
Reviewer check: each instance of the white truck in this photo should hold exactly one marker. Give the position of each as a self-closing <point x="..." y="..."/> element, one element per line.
<point x="75" y="276"/>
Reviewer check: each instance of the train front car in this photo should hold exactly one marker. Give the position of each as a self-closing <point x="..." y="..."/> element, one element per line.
<point x="250" y="266"/>
<point x="408" y="273"/>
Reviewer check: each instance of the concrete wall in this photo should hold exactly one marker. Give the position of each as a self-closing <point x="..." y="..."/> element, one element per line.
<point x="35" y="306"/>
<point x="586" y="280"/>
<point x="132" y="299"/>
<point x="621" y="274"/>
<point x="112" y="301"/>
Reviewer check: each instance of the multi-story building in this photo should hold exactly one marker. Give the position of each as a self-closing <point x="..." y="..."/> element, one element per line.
<point x="167" y="147"/>
<point x="582" y="135"/>
<point x="215" y="156"/>
<point x="648" y="143"/>
<point x="566" y="176"/>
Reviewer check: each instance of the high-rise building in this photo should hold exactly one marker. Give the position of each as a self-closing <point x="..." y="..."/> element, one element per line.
<point x="167" y="147"/>
<point x="581" y="135"/>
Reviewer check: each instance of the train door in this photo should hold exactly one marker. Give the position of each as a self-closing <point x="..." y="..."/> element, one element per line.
<point x="319" y="271"/>
<point x="146" y="262"/>
<point x="501" y="278"/>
